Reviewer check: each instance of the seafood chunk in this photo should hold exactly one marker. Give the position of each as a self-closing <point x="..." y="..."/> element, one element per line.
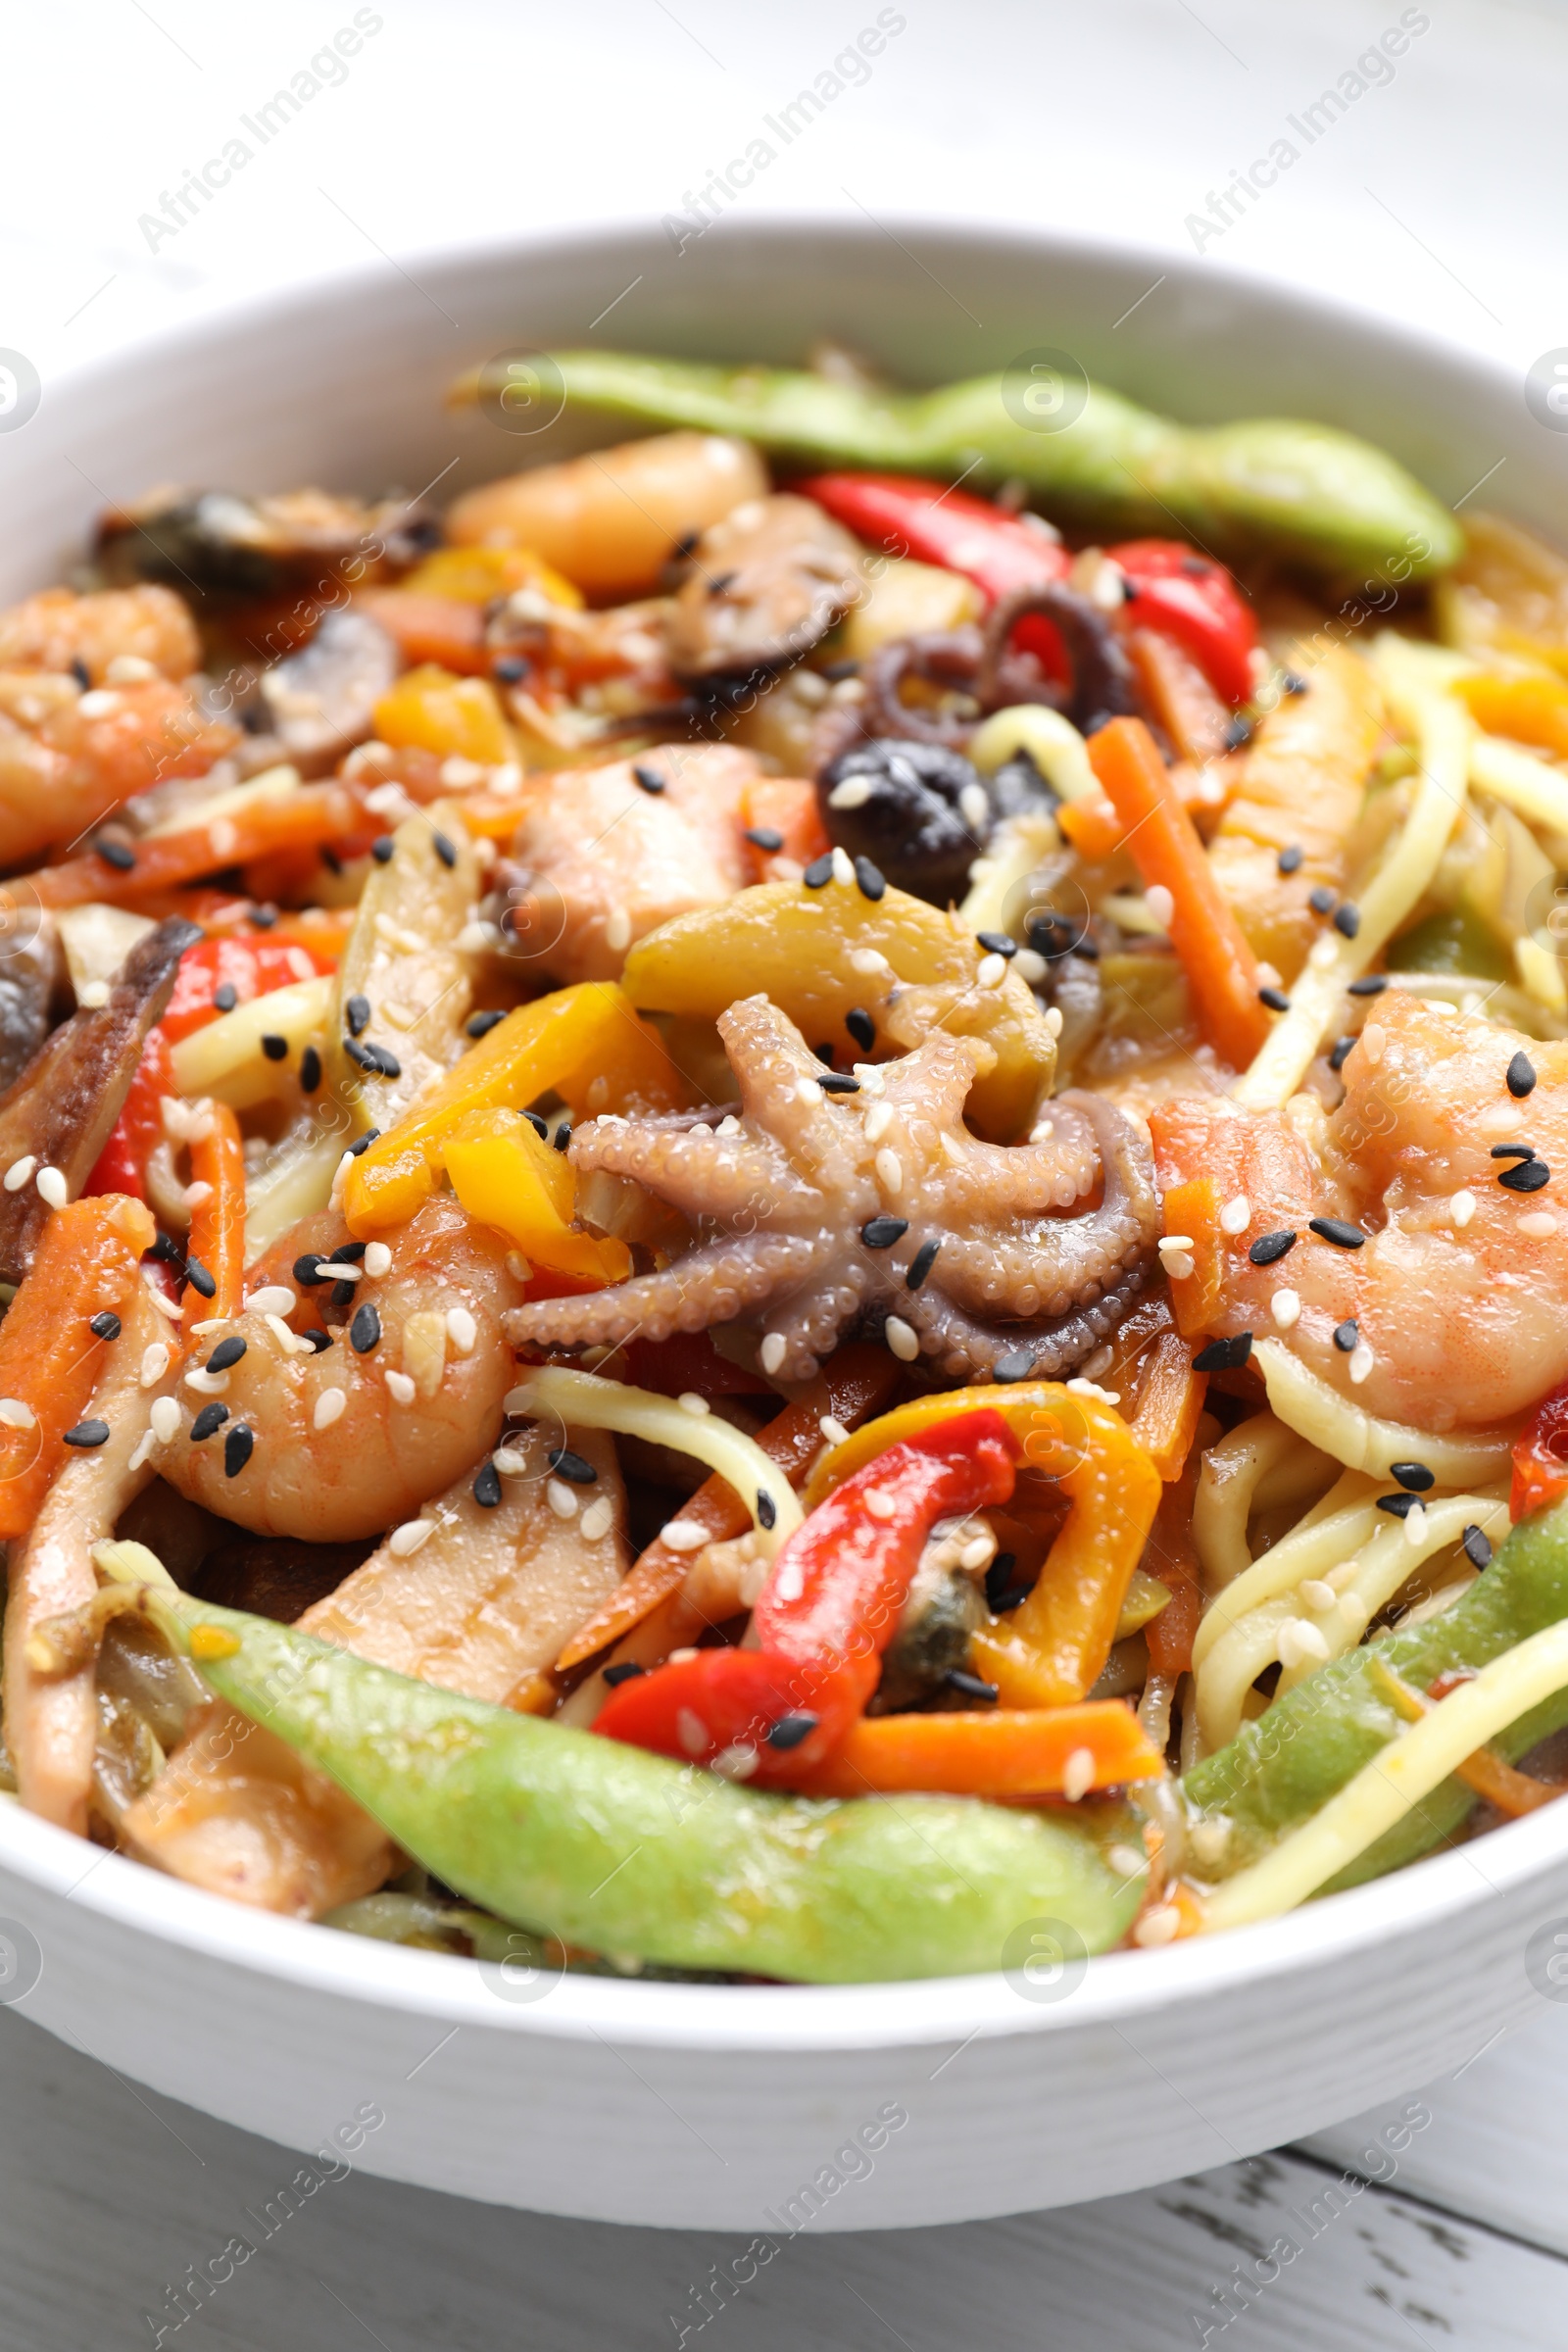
<point x="67" y="758"/>
<point x="600" y="858"/>
<point x="57" y="628"/>
<point x="764" y="586"/>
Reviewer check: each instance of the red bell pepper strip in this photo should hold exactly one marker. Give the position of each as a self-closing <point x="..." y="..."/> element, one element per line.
<point x="828" y="1610"/>
<point x="122" y="1165"/>
<point x="251" y="967"/>
<point x="901" y="516"/>
<point x="1541" y="1457"/>
<point x="1192" y="600"/>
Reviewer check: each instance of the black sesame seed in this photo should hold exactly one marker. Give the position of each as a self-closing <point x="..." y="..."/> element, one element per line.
<point x="1414" y="1477"/>
<point x="571" y="1467"/>
<point x="1340" y="1054"/>
<point x="319" y="1340"/>
<point x="1371" y="984"/>
<point x="86" y="1434"/>
<point x="1238" y="731"/>
<point x="880" y="1233"/>
<point x="370" y="1136"/>
<point x="356" y="1014"/>
<point x="80" y="673"/>
<point x="225" y="997"/>
<point x="1528" y="1176"/>
<point x="1346" y="1335"/>
<point x="347" y="1254"/>
<point x="764" y="837"/>
<point x="116" y="855"/>
<point x="824" y="1054"/>
<point x="1016" y="1364"/>
<point x="818" y="873"/>
<point x="835" y="1084"/>
<point x="487" y="1486"/>
<point x="1291" y="683"/>
<point x="562" y="1135"/>
<point x="365" y="1331"/>
<point x="539" y="1125"/>
<point x="1224" y="1355"/>
<point x="921" y="1265"/>
<point x="238" y="1446"/>
<point x="105" y="1326"/>
<point x="482" y="1023"/>
<point x="307" y="1269"/>
<point x="998" y="943"/>
<point x="767" y="1510"/>
<point x="381" y="848"/>
<point x="445" y="850"/>
<point x="1513" y="1151"/>
<point x="227" y="1352"/>
<point x="1521" y="1076"/>
<point x="310" y="1071"/>
<point x="720" y="581"/>
<point x="627" y="1671"/>
<point x="1477" y="1547"/>
<point x="341" y="1294"/>
<point x="649" y="778"/>
<point x="1290" y="861"/>
<point x="263" y="917"/>
<point x="275" y="1048"/>
<point x="1347" y="920"/>
<point x="1320" y="899"/>
<point x="1002" y="1593"/>
<point x="861" y="1028"/>
<point x="1270" y="1247"/>
<point x="169" y="1251"/>
<point x="1337" y="1230"/>
<point x="208" y="1422"/>
<point x="870" y="878"/>
<point x="790" y="1731"/>
<point x="330" y="859"/>
<point x="969" y="1684"/>
<point x="1275" y="999"/>
<point x="509" y="668"/>
<point x="200" y="1282"/>
<point x="1399" y="1506"/>
<point x="836" y="672"/>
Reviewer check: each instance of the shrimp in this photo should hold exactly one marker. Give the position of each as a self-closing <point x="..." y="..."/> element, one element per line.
<point x="67" y="758"/>
<point x="1459" y="1295"/>
<point x="338" y="1454"/>
<point x="132" y="626"/>
<point x="1300" y="786"/>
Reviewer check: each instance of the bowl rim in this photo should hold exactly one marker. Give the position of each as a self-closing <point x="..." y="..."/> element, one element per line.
<point x="1439" y="1889"/>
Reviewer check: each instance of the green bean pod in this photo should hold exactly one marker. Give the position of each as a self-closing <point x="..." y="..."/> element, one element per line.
<point x="606" y="1846"/>
<point x="1285" y="1763"/>
<point x="1322" y="498"/>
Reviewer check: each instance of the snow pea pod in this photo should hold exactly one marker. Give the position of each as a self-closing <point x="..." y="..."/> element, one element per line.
<point x="1280" y="1768"/>
<point x="1329" y="501"/>
<point x="606" y="1846"/>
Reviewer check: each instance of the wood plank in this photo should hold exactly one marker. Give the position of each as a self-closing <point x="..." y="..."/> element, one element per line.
<point x="119" y="2193"/>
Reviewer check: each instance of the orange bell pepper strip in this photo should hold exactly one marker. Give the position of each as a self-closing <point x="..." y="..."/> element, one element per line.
<point x="1169" y="1405"/>
<point x="1530" y="709"/>
<point x="50" y="1360"/>
<point x="586" y="1044"/>
<point x="217" y="1222"/>
<point x="855" y="1381"/>
<point x="505" y="1175"/>
<point x="1221" y="968"/>
<point x="1048" y="1651"/>
<point x="1007" y="1752"/>
<point x="317" y="812"/>
<point x="1193" y="1209"/>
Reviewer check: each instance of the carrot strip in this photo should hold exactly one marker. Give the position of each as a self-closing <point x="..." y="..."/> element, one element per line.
<point x="1490" y="1775"/>
<point x="788" y="806"/>
<point x="1172" y="1557"/>
<point x="218" y="1223"/>
<point x="1220" y="966"/>
<point x="1007" y="1752"/>
<point x="86" y="1263"/>
<point x="854" y="1382"/>
<point x="317" y="812"/>
<point x="1192" y="1209"/>
<point x="1169" y="1406"/>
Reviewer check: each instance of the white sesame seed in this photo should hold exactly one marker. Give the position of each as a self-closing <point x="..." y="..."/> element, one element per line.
<point x="561" y="1498"/>
<point x="843" y="866"/>
<point x="1209" y="1838"/>
<point x="409" y="1537"/>
<point x="1053" y="1019"/>
<point x="186" y="1122"/>
<point x="161" y="1298"/>
<point x="164" y="1419"/>
<point x="1030" y="966"/>
<point x="1300" y="1639"/>
<point x="690" y="1403"/>
<point x="92" y="995"/>
<point x="691" y="1731"/>
<point x="772" y="1351"/>
<point x="154" y="1364"/>
<point x="1316" y="1593"/>
<point x="377" y="1258"/>
<point x="99" y="703"/>
<point x="224" y="834"/>
<point x="330" y="1407"/>
<point x="197" y="1193"/>
<point x="1175" y="1241"/>
<point x="596" y="1519"/>
<point x="873" y="1081"/>
<point x="142" y="1449"/>
<point x="518" y="1265"/>
<point x="1415" y="1526"/>
<point x="461" y="1329"/>
<point x="509" y="1462"/>
<point x="737" y="1762"/>
<point x="1539" y="1226"/>
<point x="17" y="1415"/>
<point x="129" y="669"/>
<point x="340" y="1177"/>
<point x="1161" y="906"/>
<point x="878" y="1119"/>
<point x="617" y="930"/>
<point x="52" y="1187"/>
<point x="889" y="1170"/>
<point x="1373" y="1039"/>
<point x="879" y="1503"/>
<point x="1322" y="953"/>
<point x="979" y="1551"/>
<point x="1361" y="1360"/>
<point x="993" y="971"/>
<point x="1178" y="1264"/>
<point x="199" y="1331"/>
<point x="901" y="1338"/>
<point x="834" y="1431"/>
<point x="974" y="807"/>
<point x="1092" y="1366"/>
<point x="728" y="1125"/>
<point x="285" y="1338"/>
<point x="869" y="962"/>
<point x="1078" y="1774"/>
<point x="19" y="1173"/>
<point x="684" y="1535"/>
<point x="474" y="938"/>
<point x="807" y="1091"/>
<point x="1161" y="1925"/>
<point x="1286" y="1309"/>
<point x="1236" y="1215"/>
<point x="205" y="1383"/>
<point x="1461" y="1208"/>
<point x="1354" y="1613"/>
<point x="272" y="1298"/>
<point x="1089" y="1388"/>
<point x="853" y="792"/>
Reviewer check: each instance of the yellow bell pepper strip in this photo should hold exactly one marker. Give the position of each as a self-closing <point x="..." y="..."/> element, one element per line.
<point x="477" y="575"/>
<point x="506" y="1175"/>
<point x="1009" y="1751"/>
<point x="585" y="1044"/>
<point x="86" y="1263"/>
<point x="217" y="1221"/>
<point x="1048" y="1651"/>
<point x="435" y="710"/>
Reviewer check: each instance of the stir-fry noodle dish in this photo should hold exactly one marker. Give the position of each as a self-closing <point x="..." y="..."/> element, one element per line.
<point x="790" y="1192"/>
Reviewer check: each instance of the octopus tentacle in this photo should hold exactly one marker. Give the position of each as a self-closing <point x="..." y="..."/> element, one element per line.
<point x="1021" y="1180"/>
<point x="718" y="1177"/>
<point x="968" y="1349"/>
<point x="811" y="1329"/>
<point x="713" y="1285"/>
<point x="779" y="1081"/>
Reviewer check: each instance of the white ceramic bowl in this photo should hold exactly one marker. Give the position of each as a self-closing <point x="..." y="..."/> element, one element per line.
<point x="758" y="2109"/>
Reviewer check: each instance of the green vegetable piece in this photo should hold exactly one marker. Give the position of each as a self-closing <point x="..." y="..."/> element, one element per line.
<point x="602" y="1844"/>
<point x="1333" y="502"/>
<point x="1456" y="945"/>
<point x="1291" y="1759"/>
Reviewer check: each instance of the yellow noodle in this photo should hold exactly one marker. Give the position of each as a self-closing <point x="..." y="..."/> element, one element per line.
<point x="1227" y="1485"/>
<point x="1305" y="1402"/>
<point x="1522" y="780"/>
<point x="1328" y="1534"/>
<point x="225" y="1058"/>
<point x="1388" y="1561"/>
<point x="1382" y="1792"/>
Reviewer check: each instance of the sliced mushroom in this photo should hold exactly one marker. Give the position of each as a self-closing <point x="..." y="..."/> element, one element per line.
<point x="60" y="1111"/>
<point x="30" y="973"/>
<point x="764" y="586"/>
<point x="321" y="700"/>
<point x="216" y="545"/>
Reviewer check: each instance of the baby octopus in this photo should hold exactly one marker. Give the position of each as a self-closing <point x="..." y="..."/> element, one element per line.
<point x="831" y="1203"/>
